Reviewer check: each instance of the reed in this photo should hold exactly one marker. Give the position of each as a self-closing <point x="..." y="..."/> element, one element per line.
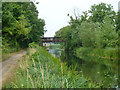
<point x="46" y="71"/>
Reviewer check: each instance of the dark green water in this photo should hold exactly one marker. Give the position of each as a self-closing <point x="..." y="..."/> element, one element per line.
<point x="103" y="71"/>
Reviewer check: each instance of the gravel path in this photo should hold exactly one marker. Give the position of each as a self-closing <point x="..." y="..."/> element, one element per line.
<point x="6" y="66"/>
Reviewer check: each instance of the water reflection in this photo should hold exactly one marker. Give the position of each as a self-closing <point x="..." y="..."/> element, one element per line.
<point x="99" y="70"/>
<point x="55" y="52"/>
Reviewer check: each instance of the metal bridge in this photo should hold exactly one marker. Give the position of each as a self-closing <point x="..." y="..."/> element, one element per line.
<point x="51" y="39"/>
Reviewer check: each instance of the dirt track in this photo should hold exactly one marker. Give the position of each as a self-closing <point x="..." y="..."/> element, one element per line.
<point x="6" y="66"/>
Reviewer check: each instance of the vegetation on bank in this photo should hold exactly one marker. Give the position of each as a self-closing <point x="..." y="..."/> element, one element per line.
<point x="107" y="57"/>
<point x="85" y="35"/>
<point x="42" y="70"/>
<point x="93" y="38"/>
<point x="6" y="56"/>
<point x="97" y="28"/>
<point x="108" y="53"/>
<point x="54" y="46"/>
<point x="21" y="25"/>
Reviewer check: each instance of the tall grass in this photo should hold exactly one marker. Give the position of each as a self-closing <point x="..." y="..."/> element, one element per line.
<point x="45" y="71"/>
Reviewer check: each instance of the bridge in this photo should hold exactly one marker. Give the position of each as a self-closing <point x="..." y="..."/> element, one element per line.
<point x="46" y="41"/>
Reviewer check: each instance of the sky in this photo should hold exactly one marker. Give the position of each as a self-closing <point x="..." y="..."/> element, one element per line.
<point x="54" y="12"/>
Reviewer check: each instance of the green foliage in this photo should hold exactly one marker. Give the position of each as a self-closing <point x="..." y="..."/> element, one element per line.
<point x="54" y="46"/>
<point x="95" y="31"/>
<point x="33" y="45"/>
<point x="45" y="71"/>
<point x="108" y="33"/>
<point x="66" y="34"/>
<point x="17" y="28"/>
<point x="21" y="24"/>
<point x="89" y="34"/>
<point x="98" y="12"/>
<point x="107" y="53"/>
<point x="6" y="46"/>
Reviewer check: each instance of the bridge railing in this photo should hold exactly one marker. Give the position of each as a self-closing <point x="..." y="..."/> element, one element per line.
<point x="51" y="39"/>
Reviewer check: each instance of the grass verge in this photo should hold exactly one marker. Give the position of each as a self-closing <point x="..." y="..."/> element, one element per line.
<point x="42" y="70"/>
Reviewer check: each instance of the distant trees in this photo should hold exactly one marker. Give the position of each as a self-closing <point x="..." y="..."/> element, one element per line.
<point x="98" y="12"/>
<point x="21" y="24"/>
<point x="95" y="28"/>
<point x="66" y="34"/>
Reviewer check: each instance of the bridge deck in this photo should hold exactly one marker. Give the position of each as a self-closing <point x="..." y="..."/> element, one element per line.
<point x="51" y="39"/>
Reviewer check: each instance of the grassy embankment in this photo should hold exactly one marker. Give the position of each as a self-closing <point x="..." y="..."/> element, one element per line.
<point x="11" y="73"/>
<point x="8" y="51"/>
<point x="42" y="70"/>
<point x="6" y="55"/>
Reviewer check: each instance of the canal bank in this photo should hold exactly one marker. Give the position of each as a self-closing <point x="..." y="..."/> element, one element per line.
<point x="99" y="70"/>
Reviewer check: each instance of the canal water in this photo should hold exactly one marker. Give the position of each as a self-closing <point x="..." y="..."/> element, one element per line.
<point x="100" y="70"/>
<point x="103" y="71"/>
<point x="55" y="52"/>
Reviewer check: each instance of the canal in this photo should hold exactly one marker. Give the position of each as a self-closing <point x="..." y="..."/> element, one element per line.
<point x="99" y="70"/>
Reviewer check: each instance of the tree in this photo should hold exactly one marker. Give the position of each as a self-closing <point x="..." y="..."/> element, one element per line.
<point x="89" y="34"/>
<point x="21" y="24"/>
<point x="14" y="22"/>
<point x="109" y="36"/>
<point x="78" y="19"/>
<point x="94" y="31"/>
<point x="66" y="34"/>
<point x="98" y="12"/>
